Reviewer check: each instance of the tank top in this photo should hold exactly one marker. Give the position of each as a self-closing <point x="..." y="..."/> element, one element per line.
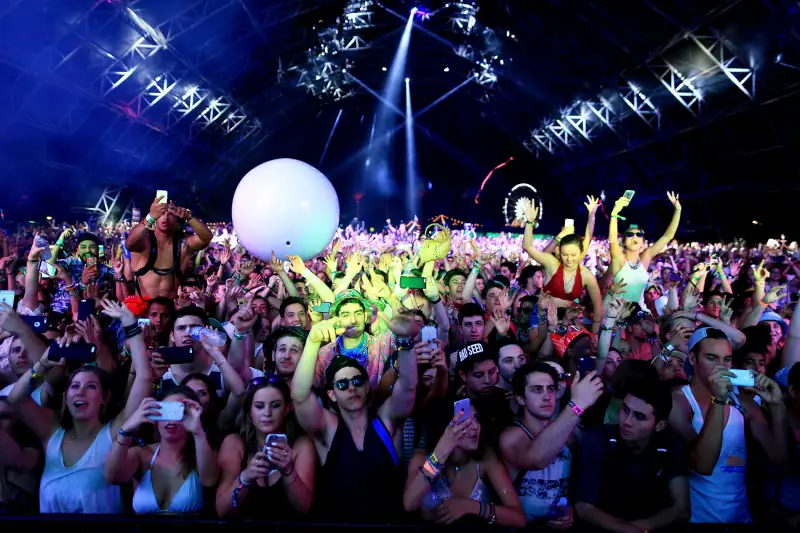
<point x="441" y="491"/>
<point x="722" y="496"/>
<point x="539" y="489"/>
<point x="360" y="486"/>
<point x="82" y="487"/>
<point x="188" y="499"/>
<point x="555" y="286"/>
<point x="635" y="276"/>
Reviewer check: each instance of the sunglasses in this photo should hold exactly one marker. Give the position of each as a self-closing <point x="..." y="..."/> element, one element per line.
<point x="255" y="382"/>
<point x="630" y="234"/>
<point x="564" y="376"/>
<point x="344" y="384"/>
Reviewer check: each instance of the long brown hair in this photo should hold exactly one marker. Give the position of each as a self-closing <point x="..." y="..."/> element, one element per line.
<point x="105" y="386"/>
<point x="246" y="428"/>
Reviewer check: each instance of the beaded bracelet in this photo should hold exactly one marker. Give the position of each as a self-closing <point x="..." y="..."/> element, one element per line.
<point x="234" y="496"/>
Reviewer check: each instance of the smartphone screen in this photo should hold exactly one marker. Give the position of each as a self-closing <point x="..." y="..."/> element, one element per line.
<point x="102" y="250"/>
<point x="46" y="269"/>
<point x="428" y="333"/>
<point x="568" y="222"/>
<point x="7" y="297"/>
<point x="169" y="412"/>
<point x="585" y="365"/>
<point x="274" y="438"/>
<point x="163" y="195"/>
<point x="629" y="194"/>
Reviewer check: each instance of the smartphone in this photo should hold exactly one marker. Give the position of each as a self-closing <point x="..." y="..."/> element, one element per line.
<point x="274" y="438"/>
<point x="37" y="323"/>
<point x="86" y="308"/>
<point x="629" y="194"/>
<point x="170" y="412"/>
<point x="586" y="365"/>
<point x="462" y="408"/>
<point x="287" y="266"/>
<point x="102" y="250"/>
<point x="7" y="297"/>
<point x="324" y="307"/>
<point x="412" y="282"/>
<point x="91" y="261"/>
<point x="743" y="378"/>
<point x="177" y="355"/>
<point x="143" y="322"/>
<point x="47" y="270"/>
<point x="675" y="277"/>
<point x="568" y="223"/>
<point x="81" y="352"/>
<point x="428" y="333"/>
<point x="164" y="195"/>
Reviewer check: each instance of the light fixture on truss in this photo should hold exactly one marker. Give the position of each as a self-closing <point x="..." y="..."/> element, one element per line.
<point x="514" y="205"/>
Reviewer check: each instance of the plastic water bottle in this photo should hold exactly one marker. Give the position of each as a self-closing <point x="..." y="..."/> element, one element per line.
<point x="558" y="509"/>
<point x="209" y="335"/>
<point x="41" y="242"/>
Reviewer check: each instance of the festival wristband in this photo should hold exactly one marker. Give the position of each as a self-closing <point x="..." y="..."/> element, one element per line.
<point x="577" y="409"/>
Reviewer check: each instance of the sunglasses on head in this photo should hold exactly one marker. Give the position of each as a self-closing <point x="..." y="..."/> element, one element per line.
<point x="344" y="384"/>
<point x="564" y="376"/>
<point x="255" y="382"/>
<point x="634" y="233"/>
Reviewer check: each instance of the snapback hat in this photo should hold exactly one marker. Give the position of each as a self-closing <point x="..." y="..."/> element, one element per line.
<point x="472" y="349"/>
<point x="700" y="334"/>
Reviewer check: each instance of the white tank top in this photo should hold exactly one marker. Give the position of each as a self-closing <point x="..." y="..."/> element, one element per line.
<point x="80" y="488"/>
<point x="188" y="499"/>
<point x="636" y="277"/>
<point x="721" y="498"/>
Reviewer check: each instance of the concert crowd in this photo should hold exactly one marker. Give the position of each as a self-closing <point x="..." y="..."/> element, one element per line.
<point x="633" y="383"/>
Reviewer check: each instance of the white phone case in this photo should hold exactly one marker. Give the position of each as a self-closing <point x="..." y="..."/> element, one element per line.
<point x="170" y="412"/>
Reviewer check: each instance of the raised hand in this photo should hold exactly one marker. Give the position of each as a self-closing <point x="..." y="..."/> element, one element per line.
<point x="586" y="390"/>
<point x="725" y="311"/>
<point x="674" y="199"/>
<point x="529" y="210"/>
<point x="501" y="322"/>
<point x="118" y="311"/>
<point x="774" y="295"/>
<point x="620" y="204"/>
<point x="157" y="209"/>
<point x="760" y="273"/>
<point x="298" y="266"/>
<point x="325" y="331"/>
<point x="592" y="204"/>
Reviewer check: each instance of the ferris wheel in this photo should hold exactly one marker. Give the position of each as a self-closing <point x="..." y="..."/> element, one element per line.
<point x="514" y="201"/>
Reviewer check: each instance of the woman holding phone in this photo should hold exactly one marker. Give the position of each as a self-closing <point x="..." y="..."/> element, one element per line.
<point x="451" y="482"/>
<point x="78" y="441"/>
<point x="172" y="473"/>
<point x="267" y="468"/>
<point x="631" y="261"/>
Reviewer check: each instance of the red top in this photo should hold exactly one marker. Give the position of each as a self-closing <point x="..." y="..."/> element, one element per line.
<point x="556" y="285"/>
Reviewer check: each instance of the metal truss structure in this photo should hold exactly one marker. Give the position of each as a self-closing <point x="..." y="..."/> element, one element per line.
<point x="103" y="209"/>
<point x="579" y="124"/>
<point x="155" y="99"/>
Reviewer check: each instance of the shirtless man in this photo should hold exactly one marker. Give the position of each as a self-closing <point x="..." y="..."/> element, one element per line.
<point x="154" y="255"/>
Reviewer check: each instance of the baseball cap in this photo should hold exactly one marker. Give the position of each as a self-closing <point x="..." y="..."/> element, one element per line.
<point x="472" y="349"/>
<point x="702" y="333"/>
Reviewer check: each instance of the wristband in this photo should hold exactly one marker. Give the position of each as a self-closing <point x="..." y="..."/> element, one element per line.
<point x="149" y="219"/>
<point x="404" y="343"/>
<point x="60" y="243"/>
<point x="123" y="433"/>
<point x="436" y="301"/>
<point x="241" y="336"/>
<point x="33" y="261"/>
<point x="132" y="331"/>
<point x="528" y="223"/>
<point x="577" y="409"/>
<point x="717" y="401"/>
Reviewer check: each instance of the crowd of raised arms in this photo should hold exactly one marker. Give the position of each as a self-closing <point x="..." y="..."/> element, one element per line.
<point x="629" y="384"/>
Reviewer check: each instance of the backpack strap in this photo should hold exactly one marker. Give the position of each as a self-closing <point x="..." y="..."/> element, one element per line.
<point x="380" y="429"/>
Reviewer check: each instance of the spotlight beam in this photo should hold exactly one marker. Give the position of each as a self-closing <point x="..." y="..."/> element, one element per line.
<point x="412" y="200"/>
<point x="330" y="138"/>
<point x="386" y="135"/>
<point x="420" y="27"/>
<point x="383" y="100"/>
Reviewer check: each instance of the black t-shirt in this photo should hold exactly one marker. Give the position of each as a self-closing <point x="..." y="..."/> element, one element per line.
<point x="627" y="485"/>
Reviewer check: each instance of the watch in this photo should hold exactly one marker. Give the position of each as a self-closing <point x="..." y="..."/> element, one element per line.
<point x="404" y="343"/>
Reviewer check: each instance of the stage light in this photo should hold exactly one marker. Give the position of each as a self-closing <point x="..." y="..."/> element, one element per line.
<point x="383" y="69"/>
<point x="414" y="10"/>
<point x="447" y="69"/>
<point x="49" y="218"/>
<point x="407" y="80"/>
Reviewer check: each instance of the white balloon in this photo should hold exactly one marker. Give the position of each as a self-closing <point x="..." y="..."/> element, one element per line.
<point x="285" y="206"/>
